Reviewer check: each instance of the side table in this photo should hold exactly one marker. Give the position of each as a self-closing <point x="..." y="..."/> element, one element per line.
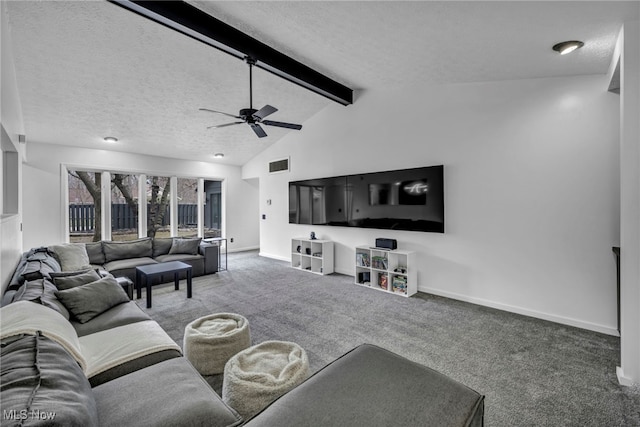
<point x="218" y="241"/>
<point x="148" y="272"/>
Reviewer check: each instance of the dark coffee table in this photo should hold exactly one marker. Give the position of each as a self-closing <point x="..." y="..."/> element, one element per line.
<point x="146" y="274"/>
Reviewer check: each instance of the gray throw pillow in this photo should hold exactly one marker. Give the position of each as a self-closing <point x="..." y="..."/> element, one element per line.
<point x="78" y="278"/>
<point x="41" y="291"/>
<point x="161" y="246"/>
<point x="72" y="256"/>
<point x="87" y="301"/>
<point x="94" y="250"/>
<point x="185" y="246"/>
<point x="139" y="248"/>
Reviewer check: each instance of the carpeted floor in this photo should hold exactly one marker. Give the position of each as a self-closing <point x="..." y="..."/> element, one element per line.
<point x="532" y="372"/>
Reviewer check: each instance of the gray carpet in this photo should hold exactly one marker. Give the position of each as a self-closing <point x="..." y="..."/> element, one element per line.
<point x="532" y="372"/>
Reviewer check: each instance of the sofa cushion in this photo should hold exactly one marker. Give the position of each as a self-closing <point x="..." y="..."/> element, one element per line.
<point x="71" y="256"/>
<point x="122" y="264"/>
<point x="87" y="301"/>
<point x="162" y="246"/>
<point x="41" y="291"/>
<point x="185" y="246"/>
<point x="177" y="257"/>
<point x="120" y="401"/>
<point x="39" y="376"/>
<point x="94" y="250"/>
<point x="129" y="249"/>
<point x="68" y="280"/>
<point x="121" y="314"/>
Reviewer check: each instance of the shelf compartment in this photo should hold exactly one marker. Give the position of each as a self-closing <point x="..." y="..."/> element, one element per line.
<point x="363" y="276"/>
<point x="296" y="260"/>
<point x="316" y="265"/>
<point x="398" y="284"/>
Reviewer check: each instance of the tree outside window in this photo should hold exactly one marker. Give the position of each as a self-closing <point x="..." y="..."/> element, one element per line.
<point x="85" y="213"/>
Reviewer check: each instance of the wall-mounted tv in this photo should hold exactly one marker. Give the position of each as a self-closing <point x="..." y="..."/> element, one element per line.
<point x="406" y="199"/>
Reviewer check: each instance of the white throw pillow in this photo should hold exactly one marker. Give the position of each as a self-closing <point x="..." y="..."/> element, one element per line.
<point x="71" y="256"/>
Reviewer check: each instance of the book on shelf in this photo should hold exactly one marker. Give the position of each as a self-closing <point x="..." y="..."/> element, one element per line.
<point x="383" y="281"/>
<point x="399" y="284"/>
<point x="379" y="262"/>
<point x="362" y="259"/>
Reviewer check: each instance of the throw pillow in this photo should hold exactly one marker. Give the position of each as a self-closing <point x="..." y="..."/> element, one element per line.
<point x="71" y="280"/>
<point x="87" y="301"/>
<point x="94" y="250"/>
<point x="41" y="291"/>
<point x="130" y="249"/>
<point x="161" y="246"/>
<point x="72" y="256"/>
<point x="185" y="246"/>
<point x="40" y="377"/>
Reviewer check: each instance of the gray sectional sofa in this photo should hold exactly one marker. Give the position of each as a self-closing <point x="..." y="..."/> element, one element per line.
<point x="82" y="354"/>
<point x="76" y="352"/>
<point x="118" y="258"/>
<point x="122" y="258"/>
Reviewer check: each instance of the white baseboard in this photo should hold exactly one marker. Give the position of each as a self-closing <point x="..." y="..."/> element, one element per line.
<point x="278" y="257"/>
<point x="622" y="379"/>
<point x="526" y="312"/>
<point x="248" y="248"/>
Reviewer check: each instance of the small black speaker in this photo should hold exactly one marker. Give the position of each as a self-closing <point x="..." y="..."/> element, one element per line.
<point x="386" y="243"/>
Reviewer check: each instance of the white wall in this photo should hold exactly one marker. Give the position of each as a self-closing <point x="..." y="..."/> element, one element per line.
<point x="11" y="118"/>
<point x="531" y="189"/>
<point x="43" y="210"/>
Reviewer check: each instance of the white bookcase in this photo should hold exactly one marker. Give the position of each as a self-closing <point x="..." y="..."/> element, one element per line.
<point x="315" y="255"/>
<point x="391" y="271"/>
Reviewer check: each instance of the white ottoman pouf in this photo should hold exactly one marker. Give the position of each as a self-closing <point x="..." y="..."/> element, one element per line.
<point x="260" y="374"/>
<point x="212" y="340"/>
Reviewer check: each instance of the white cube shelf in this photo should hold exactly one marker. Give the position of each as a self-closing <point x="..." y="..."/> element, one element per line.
<point x="391" y="271"/>
<point x="315" y="256"/>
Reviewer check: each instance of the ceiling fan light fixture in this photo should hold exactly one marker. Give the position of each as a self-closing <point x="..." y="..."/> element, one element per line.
<point x="567" y="47"/>
<point x="110" y="139"/>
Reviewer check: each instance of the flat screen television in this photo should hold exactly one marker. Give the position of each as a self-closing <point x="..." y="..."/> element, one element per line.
<point x="405" y="199"/>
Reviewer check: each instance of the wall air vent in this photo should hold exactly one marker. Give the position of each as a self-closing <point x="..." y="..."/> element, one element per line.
<point x="281" y="165"/>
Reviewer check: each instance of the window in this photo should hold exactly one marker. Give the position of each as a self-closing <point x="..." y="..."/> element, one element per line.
<point x="158" y="190"/>
<point x="187" y="207"/>
<point x="84" y="191"/>
<point x="124" y="207"/>
<point x="140" y="205"/>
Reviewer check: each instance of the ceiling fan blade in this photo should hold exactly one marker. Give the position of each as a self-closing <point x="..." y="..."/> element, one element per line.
<point x="220" y="112"/>
<point x="258" y="130"/>
<point x="264" y="112"/>
<point x="282" y="124"/>
<point x="224" y="125"/>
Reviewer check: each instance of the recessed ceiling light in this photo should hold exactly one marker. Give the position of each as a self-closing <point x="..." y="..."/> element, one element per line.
<point x="218" y="155"/>
<point x="110" y="139"/>
<point x="567" y="47"/>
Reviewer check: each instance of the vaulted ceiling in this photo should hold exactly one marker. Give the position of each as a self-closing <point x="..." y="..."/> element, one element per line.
<point x="86" y="70"/>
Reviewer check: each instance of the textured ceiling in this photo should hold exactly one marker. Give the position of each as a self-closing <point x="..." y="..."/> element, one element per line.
<point x="86" y="70"/>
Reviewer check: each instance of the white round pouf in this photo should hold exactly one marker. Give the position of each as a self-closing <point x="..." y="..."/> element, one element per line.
<point x="257" y="376"/>
<point x="210" y="341"/>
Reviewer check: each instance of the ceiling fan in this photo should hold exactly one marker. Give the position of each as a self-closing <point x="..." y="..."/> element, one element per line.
<point x="251" y="116"/>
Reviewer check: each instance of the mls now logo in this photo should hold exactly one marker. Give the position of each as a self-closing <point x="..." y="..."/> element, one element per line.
<point x="23" y="414"/>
